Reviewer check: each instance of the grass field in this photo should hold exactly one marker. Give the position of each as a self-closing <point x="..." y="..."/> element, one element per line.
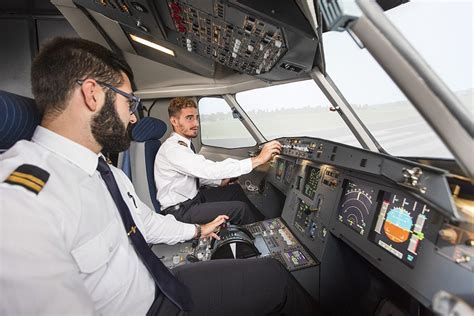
<point x="311" y="121"/>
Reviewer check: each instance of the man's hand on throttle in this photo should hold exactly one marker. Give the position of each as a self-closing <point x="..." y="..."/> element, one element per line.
<point x="210" y="229"/>
<point x="267" y="152"/>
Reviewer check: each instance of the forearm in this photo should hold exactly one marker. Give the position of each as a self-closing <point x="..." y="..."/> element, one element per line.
<point x="167" y="230"/>
<point x="257" y="161"/>
<point x="200" y="167"/>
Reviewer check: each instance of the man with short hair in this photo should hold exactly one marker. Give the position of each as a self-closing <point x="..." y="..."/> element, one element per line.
<point x="180" y="174"/>
<point x="74" y="234"/>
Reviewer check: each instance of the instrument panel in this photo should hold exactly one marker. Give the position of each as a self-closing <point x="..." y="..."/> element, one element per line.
<point x="252" y="45"/>
<point x="363" y="199"/>
<point x="274" y="239"/>
<point x="269" y="42"/>
<point x="311" y="181"/>
<point x="398" y="220"/>
<point x="400" y="225"/>
<point x="356" y="205"/>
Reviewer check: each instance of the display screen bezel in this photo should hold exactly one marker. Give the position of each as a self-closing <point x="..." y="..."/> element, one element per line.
<point x="378" y="234"/>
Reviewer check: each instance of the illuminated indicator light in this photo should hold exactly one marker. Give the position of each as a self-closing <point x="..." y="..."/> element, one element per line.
<point x="177" y="18"/>
<point x="181" y="28"/>
<point x="175" y="8"/>
<point x="152" y="45"/>
<point x="410" y="257"/>
<point x="419" y="235"/>
<point x="124" y="8"/>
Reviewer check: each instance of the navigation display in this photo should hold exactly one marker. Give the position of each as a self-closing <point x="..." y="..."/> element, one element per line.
<point x="311" y="181"/>
<point x="399" y="226"/>
<point x="356" y="205"/>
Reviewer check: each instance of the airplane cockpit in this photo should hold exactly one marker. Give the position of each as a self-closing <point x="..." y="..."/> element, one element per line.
<point x="370" y="204"/>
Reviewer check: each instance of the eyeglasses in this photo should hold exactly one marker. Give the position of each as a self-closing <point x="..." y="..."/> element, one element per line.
<point x="133" y="101"/>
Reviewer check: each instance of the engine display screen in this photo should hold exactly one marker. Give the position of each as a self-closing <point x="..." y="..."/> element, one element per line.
<point x="356" y="205"/>
<point x="280" y="168"/>
<point x="289" y="166"/>
<point x="311" y="181"/>
<point x="284" y="170"/>
<point x="399" y="226"/>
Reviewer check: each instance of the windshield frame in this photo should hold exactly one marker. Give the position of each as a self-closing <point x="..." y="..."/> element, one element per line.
<point x="405" y="66"/>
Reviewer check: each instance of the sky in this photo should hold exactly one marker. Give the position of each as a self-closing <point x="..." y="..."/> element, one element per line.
<point x="442" y="31"/>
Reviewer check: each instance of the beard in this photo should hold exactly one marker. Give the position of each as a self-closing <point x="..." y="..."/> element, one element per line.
<point x="189" y="133"/>
<point x="108" y="129"/>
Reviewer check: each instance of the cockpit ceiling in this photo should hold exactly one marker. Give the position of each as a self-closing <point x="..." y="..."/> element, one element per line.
<point x="269" y="40"/>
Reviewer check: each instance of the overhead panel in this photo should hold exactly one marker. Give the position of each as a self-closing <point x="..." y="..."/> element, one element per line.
<point x="227" y="35"/>
<point x="272" y="41"/>
<point x="138" y="15"/>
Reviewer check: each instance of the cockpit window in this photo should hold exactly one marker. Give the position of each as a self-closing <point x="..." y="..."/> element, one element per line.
<point x="218" y="126"/>
<point x="295" y="109"/>
<point x="448" y="51"/>
<point x="383" y="108"/>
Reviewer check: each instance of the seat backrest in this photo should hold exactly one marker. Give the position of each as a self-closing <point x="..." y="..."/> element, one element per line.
<point x="143" y="149"/>
<point x="125" y="164"/>
<point x="19" y="117"/>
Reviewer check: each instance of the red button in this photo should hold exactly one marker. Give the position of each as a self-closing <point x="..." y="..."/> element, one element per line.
<point x="176" y="18"/>
<point x="182" y="28"/>
<point x="175" y="8"/>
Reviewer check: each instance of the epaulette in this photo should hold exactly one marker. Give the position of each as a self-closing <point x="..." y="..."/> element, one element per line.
<point x="182" y="143"/>
<point x="30" y="177"/>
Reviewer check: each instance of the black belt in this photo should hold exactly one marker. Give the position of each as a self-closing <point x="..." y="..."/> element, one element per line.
<point x="171" y="209"/>
<point x="176" y="207"/>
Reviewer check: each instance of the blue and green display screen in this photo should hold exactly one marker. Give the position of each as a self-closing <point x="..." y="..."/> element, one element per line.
<point x="399" y="226"/>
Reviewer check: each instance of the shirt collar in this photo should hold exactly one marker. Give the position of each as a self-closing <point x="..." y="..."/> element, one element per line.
<point x="184" y="139"/>
<point x="77" y="154"/>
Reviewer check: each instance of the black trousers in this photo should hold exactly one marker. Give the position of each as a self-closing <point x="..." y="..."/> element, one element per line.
<point x="210" y="202"/>
<point x="239" y="287"/>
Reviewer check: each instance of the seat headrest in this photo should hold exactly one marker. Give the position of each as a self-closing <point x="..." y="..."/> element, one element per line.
<point x="19" y="117"/>
<point x="148" y="128"/>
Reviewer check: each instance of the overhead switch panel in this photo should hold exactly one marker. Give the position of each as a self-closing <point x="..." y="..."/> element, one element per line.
<point x="228" y="36"/>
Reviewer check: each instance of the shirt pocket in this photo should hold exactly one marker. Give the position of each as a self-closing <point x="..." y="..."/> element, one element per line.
<point x="101" y="263"/>
<point x="97" y="251"/>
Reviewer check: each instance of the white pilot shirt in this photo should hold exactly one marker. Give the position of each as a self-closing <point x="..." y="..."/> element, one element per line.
<point x="65" y="251"/>
<point x="177" y="167"/>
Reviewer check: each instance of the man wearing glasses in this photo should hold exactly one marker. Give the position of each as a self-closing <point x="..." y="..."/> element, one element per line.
<point x="74" y="237"/>
<point x="133" y="101"/>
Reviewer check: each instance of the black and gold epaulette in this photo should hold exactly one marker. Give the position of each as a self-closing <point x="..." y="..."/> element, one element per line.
<point x="30" y="177"/>
<point x="182" y="143"/>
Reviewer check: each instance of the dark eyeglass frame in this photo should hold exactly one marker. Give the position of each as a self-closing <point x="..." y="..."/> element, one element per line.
<point x="133" y="100"/>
